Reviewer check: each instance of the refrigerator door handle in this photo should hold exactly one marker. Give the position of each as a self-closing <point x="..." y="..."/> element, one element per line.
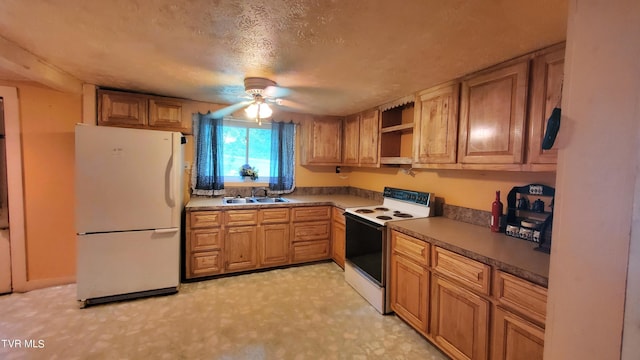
<point x="168" y="182"/>
<point x="166" y="231"/>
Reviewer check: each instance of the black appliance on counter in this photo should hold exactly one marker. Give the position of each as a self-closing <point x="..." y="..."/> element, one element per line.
<point x="530" y="214"/>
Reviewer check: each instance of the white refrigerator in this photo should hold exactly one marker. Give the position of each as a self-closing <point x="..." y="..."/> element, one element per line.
<point x="128" y="211"/>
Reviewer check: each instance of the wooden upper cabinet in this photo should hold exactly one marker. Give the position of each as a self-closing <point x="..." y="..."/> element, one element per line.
<point x="167" y="114"/>
<point x="122" y="109"/>
<point x="369" y="138"/>
<point x="436" y="125"/>
<point x="546" y="92"/>
<point x="321" y="142"/>
<point x="351" y="140"/>
<point x="492" y="115"/>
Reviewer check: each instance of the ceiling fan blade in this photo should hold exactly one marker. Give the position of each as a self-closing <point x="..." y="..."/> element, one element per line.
<point x="276" y="91"/>
<point x="230" y="109"/>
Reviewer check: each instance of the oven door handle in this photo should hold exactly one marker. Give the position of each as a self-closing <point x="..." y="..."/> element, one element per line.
<point x="363" y="222"/>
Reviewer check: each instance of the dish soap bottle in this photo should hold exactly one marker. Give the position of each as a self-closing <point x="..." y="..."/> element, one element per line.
<point x="496" y="213"/>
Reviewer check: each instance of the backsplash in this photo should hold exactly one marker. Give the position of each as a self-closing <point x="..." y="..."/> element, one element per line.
<point x="471" y="216"/>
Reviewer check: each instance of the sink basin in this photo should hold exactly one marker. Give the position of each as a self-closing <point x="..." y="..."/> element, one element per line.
<point x="253" y="200"/>
<point x="270" y="200"/>
<point x="238" y="200"/>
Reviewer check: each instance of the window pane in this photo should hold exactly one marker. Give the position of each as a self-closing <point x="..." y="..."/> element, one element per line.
<point x="260" y="151"/>
<point x="235" y="149"/>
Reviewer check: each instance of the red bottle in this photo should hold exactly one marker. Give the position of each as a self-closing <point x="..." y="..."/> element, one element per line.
<point x="496" y="213"/>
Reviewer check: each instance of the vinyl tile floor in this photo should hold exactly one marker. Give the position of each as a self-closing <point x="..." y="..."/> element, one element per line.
<point x="303" y="312"/>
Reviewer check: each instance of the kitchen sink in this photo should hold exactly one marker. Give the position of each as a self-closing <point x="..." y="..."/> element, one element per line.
<point x="270" y="200"/>
<point x="253" y="200"/>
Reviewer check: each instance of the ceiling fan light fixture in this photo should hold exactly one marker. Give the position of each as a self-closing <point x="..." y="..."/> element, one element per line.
<point x="258" y="110"/>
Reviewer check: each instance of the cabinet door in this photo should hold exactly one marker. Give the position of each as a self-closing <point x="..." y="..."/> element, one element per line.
<point x="436" y="125"/>
<point x="310" y="251"/>
<point x="546" y="92"/>
<point x="273" y="216"/>
<point x="274" y="244"/>
<point x="122" y="109"/>
<point x="322" y="143"/>
<point x="241" y="217"/>
<point x="338" y="235"/>
<point x="204" y="264"/>
<point x="311" y="213"/>
<point x="351" y="140"/>
<point x="459" y="320"/>
<point x="369" y="138"/>
<point x="166" y="114"/>
<point x="240" y="245"/>
<point x="318" y="230"/>
<point x="205" y="239"/>
<point x="493" y="109"/>
<point x="410" y="292"/>
<point x="514" y="338"/>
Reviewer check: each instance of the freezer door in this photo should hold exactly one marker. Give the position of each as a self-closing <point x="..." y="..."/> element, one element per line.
<point x="126" y="262"/>
<point x="127" y="179"/>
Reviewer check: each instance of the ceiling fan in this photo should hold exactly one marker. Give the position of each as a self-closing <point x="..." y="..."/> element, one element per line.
<point x="260" y="91"/>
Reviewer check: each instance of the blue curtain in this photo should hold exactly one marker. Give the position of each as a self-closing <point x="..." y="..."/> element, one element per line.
<point x="208" y="178"/>
<point x="282" y="157"/>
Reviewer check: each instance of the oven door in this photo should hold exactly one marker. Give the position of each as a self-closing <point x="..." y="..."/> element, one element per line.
<point x="365" y="247"/>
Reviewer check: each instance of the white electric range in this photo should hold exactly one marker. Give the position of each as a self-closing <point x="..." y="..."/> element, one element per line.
<point x="367" y="250"/>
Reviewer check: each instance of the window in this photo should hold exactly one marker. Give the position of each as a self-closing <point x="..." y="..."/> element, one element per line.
<point x="222" y="147"/>
<point x="245" y="143"/>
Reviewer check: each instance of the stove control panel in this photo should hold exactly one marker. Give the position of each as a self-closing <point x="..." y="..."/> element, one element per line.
<point x="407" y="195"/>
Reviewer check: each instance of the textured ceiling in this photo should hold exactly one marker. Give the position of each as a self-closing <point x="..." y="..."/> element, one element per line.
<point x="337" y="56"/>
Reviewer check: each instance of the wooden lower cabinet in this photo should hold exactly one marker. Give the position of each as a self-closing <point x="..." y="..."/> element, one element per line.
<point x="515" y="338"/>
<point x="338" y="237"/>
<point x="410" y="292"/>
<point x="310" y="233"/>
<point x="310" y="251"/>
<point x="205" y="263"/>
<point x="459" y="320"/>
<point x="203" y="249"/>
<point x="273" y="245"/>
<point x="240" y="248"/>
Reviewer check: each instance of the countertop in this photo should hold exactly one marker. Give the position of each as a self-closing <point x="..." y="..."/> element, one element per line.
<point x="341" y="201"/>
<point x="506" y="253"/>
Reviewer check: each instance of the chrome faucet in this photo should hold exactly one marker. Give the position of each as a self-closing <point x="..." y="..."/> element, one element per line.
<point x="256" y="189"/>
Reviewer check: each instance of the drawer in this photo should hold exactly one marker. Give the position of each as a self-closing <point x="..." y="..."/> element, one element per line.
<point x="205" y="263"/>
<point x="319" y="230"/>
<point x="474" y="274"/>
<point x="240" y="217"/>
<point x="201" y="219"/>
<point x="410" y="247"/>
<point x="311" y="213"/>
<point x="310" y="251"/>
<point x="273" y="216"/>
<point x="337" y="215"/>
<point x="522" y="296"/>
<point x="205" y="239"/>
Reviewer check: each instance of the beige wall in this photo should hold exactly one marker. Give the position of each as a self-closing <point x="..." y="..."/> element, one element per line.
<point x="597" y="168"/>
<point x="47" y="120"/>
<point x="467" y="188"/>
